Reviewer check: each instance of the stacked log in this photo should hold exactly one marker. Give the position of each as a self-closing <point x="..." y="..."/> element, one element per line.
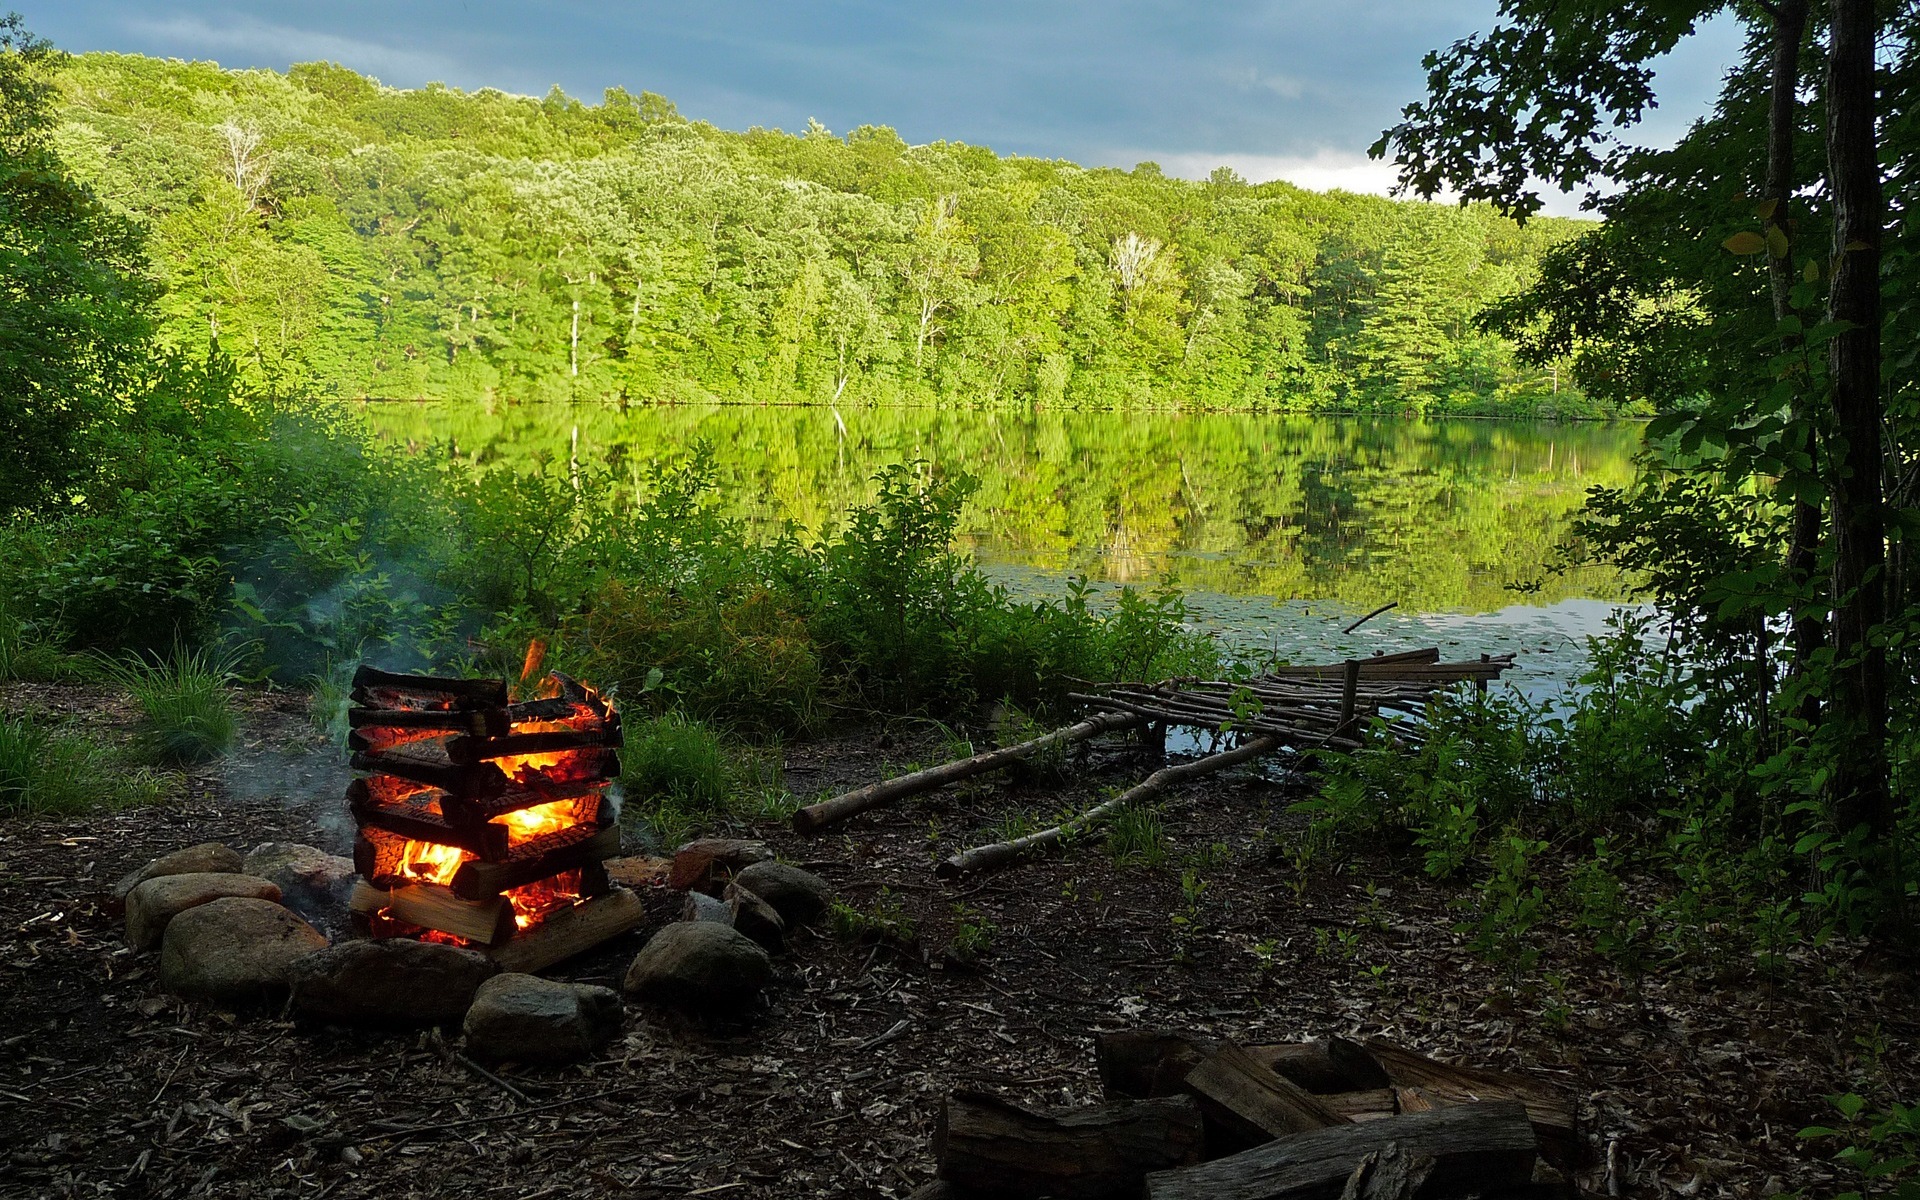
<point x="1192" y="1118"/>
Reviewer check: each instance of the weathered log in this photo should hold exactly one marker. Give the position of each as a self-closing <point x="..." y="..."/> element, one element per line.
<point x="1369" y="1105"/>
<point x="985" y="1144"/>
<point x="998" y="853"/>
<point x="1248" y="1103"/>
<point x="839" y="808"/>
<point x="1317" y="1067"/>
<point x="1480" y="1146"/>
<point x="1550" y="1109"/>
<point x="570" y="931"/>
<point x="1137" y="1064"/>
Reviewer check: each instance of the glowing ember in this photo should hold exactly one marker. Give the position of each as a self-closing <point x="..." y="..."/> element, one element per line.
<point x="542" y="819"/>
<point x="430" y="862"/>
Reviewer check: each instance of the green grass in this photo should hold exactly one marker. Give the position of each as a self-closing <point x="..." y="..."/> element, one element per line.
<point x="886" y="920"/>
<point x="47" y="771"/>
<point x="1136" y="835"/>
<point x="681" y="778"/>
<point x="186" y="715"/>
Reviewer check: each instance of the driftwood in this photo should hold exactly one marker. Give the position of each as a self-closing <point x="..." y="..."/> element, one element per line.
<point x="839" y="808"/>
<point x="998" y="853"/>
<point x="1485" y="1147"/>
<point x="984" y="1144"/>
<point x="1249" y="1103"/>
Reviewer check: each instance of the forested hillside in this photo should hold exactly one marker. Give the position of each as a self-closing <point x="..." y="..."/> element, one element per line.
<point x="342" y="238"/>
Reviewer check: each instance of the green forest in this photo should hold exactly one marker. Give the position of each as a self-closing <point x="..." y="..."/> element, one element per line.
<point x="341" y="238"/>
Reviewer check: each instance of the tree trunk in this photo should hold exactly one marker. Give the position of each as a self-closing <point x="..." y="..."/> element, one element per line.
<point x="1859" y="701"/>
<point x="1803" y="548"/>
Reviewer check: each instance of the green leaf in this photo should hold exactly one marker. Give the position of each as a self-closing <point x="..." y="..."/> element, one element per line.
<point x="1777" y="241"/>
<point x="1744" y="243"/>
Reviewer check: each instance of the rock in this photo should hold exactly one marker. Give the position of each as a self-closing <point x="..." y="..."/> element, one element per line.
<point x="206" y="858"/>
<point x="532" y="1020"/>
<point x="798" y="896"/>
<point x="638" y="871"/>
<point x="701" y="907"/>
<point x="234" y="950"/>
<point x="699" y="964"/>
<point x="756" y="918"/>
<point x="392" y="981"/>
<point x="152" y="905"/>
<point x="312" y="882"/>
<point x="699" y="864"/>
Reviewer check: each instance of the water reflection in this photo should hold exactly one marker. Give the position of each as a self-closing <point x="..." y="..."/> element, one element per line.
<point x="1442" y="516"/>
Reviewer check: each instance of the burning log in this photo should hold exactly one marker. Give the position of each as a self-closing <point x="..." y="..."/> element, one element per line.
<point x="481" y="819"/>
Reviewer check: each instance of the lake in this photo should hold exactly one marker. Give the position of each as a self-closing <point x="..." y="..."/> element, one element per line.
<point x="1281" y="529"/>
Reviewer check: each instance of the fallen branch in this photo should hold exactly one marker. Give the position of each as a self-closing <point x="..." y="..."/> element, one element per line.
<point x="997" y="853"/>
<point x="818" y="816"/>
<point x="1370" y="616"/>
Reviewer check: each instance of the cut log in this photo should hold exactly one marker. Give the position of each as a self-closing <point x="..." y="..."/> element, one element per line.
<point x="999" y="853"/>
<point x="1369" y="1105"/>
<point x="431" y="906"/>
<point x="1250" y="1103"/>
<point x="985" y="1144"/>
<point x="839" y="808"/>
<point x="1552" y="1111"/>
<point x="476" y="880"/>
<point x="1322" y="1066"/>
<point x="1483" y="1147"/>
<point x="1138" y="1064"/>
<point x="571" y="931"/>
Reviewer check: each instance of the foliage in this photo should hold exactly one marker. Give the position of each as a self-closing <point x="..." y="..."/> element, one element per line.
<point x="886" y="920"/>
<point x="973" y="933"/>
<point x="1136" y="835"/>
<point x="682" y="761"/>
<point x="1883" y="1145"/>
<point x="348" y="239"/>
<point x="186" y="714"/>
<point x="48" y="770"/>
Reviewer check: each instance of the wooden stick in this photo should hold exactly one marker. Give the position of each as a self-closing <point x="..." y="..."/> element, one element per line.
<point x="818" y="816"/>
<point x="996" y="853"/>
<point x="1370" y="616"/>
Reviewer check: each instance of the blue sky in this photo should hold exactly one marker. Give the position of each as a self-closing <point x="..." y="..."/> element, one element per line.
<point x="1291" y="89"/>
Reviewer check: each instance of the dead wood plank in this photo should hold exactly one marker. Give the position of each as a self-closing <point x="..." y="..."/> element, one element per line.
<point x="999" y="853"/>
<point x="1555" y="1119"/>
<point x="1137" y="1064"/>
<point x="571" y="931"/>
<point x="1316" y="1067"/>
<point x="839" y="808"/>
<point x="983" y="1143"/>
<point x="1250" y="1103"/>
<point x="1369" y="1105"/>
<point x="1482" y="1146"/>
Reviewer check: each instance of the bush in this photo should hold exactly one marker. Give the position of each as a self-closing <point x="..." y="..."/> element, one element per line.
<point x="186" y="715"/>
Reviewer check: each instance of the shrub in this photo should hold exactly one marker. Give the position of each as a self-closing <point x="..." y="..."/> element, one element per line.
<point x="186" y="714"/>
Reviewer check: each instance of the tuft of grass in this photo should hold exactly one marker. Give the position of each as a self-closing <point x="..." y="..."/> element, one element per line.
<point x="885" y="921"/>
<point x="676" y="758"/>
<point x="186" y="715"/>
<point x="1136" y="835"/>
<point x="973" y="933"/>
<point x="44" y="770"/>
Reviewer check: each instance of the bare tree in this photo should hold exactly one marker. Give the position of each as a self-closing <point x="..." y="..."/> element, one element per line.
<point x="246" y="165"/>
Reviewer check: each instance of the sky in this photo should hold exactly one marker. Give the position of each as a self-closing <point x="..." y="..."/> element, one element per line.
<point x="1275" y="89"/>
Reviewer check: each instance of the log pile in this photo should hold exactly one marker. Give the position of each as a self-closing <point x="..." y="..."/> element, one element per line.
<point x="1188" y="1118"/>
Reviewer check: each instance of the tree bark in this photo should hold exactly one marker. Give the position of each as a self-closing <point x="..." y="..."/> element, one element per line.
<point x="1859" y="702"/>
<point x="1803" y="547"/>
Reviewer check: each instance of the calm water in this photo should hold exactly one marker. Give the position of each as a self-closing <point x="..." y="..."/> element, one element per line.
<point x="1281" y="529"/>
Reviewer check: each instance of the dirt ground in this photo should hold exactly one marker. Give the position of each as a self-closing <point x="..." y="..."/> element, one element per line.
<point x="108" y="1087"/>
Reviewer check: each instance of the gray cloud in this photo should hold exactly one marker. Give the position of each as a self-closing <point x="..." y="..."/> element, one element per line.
<point x="1299" y="85"/>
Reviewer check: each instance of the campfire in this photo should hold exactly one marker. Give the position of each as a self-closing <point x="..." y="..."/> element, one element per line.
<point x="485" y="822"/>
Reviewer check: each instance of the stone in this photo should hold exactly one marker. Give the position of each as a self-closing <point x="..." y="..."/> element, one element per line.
<point x="699" y="964"/>
<point x="798" y="896"/>
<point x="234" y="950"/>
<point x="206" y="858"/>
<point x="701" y="907"/>
<point x="756" y="918"/>
<point x="389" y="981"/>
<point x="155" y="903"/>
<point x="312" y="882"/>
<point x="700" y="864"/>
<point x="527" y="1019"/>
